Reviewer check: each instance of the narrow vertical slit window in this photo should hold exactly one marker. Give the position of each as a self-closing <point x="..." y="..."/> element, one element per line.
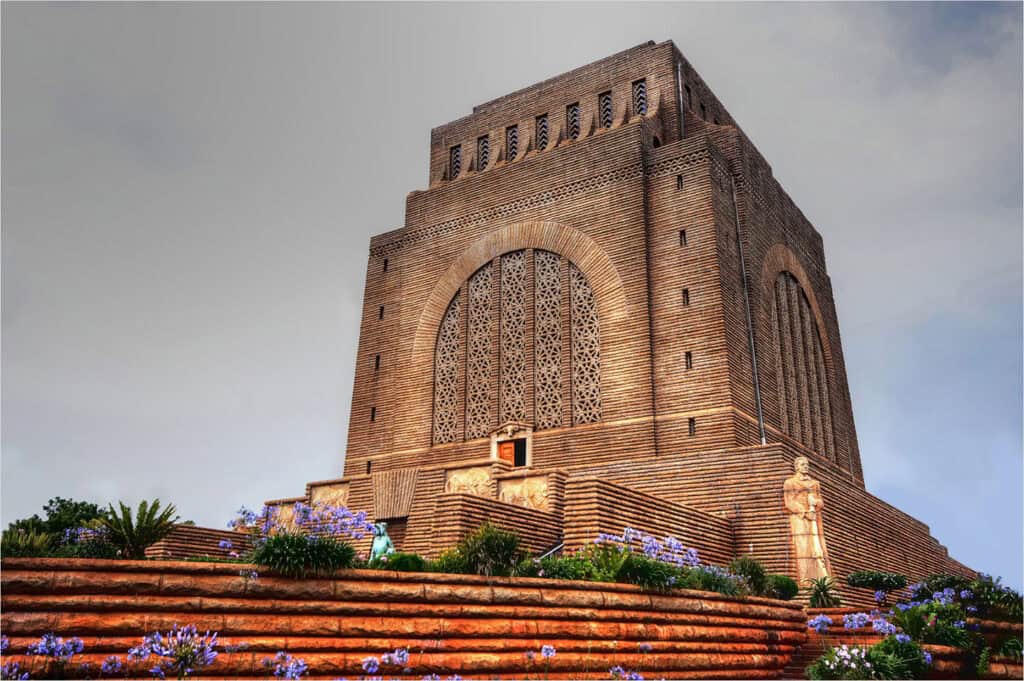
<point x="689" y="96"/>
<point x="483" y="152"/>
<point x="380" y="312"/>
<point x="385" y="264"/>
<point x="689" y="360"/>
<point x="692" y="426"/>
<point x="703" y="112"/>
<point x="512" y="141"/>
<point x="454" y="161"/>
<point x="572" y="120"/>
<point x="542" y="132"/>
<point x="679" y="182"/>
<point x="604" y="108"/>
<point x="373" y="413"/>
<point x="376" y="362"/>
<point x="369" y="467"/>
<point x="682" y="237"/>
<point x="640" y="97"/>
<point x="686" y="297"/>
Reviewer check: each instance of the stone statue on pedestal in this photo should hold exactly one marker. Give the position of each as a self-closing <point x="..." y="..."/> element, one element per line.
<point x="802" y="495"/>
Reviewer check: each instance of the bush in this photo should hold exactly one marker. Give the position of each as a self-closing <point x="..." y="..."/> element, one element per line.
<point x="755" y="574"/>
<point x="400" y="562"/>
<point x="296" y="555"/>
<point x="993" y="600"/>
<point x="781" y="587"/>
<point x="935" y="622"/>
<point x="87" y="542"/>
<point x="844" y="662"/>
<point x="940" y="582"/>
<point x="893" y="659"/>
<point x="713" y="578"/>
<point x="876" y="581"/>
<point x="490" y="551"/>
<point x="647" y="572"/>
<point x="449" y="562"/>
<point x="133" y="535"/>
<point x="1011" y="647"/>
<point x="822" y="593"/>
<point x="25" y="544"/>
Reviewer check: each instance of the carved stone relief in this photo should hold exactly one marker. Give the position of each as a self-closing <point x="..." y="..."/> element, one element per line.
<point x="475" y="480"/>
<point x="333" y="495"/>
<point x="530" y="492"/>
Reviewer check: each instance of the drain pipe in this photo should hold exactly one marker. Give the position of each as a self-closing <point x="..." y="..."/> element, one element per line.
<point x="750" y="320"/>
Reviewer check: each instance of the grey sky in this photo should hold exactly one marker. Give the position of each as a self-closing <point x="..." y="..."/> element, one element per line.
<point x="189" y="191"/>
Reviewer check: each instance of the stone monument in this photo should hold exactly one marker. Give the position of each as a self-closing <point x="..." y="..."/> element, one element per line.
<point x="802" y="495"/>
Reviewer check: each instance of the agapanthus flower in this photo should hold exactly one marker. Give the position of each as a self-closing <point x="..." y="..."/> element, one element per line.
<point x="927" y="658"/>
<point x="966" y="595"/>
<point x="883" y="626"/>
<point x="111" y="665"/>
<point x="903" y="638"/>
<point x="5" y="643"/>
<point x="819" y="623"/>
<point x="51" y="645"/>
<point x="431" y="677"/>
<point x="371" y="665"/>
<point x="645" y="647"/>
<point x="959" y="624"/>
<point x="547" y="652"/>
<point x="286" y="666"/>
<point x="12" y="670"/>
<point x="880" y="596"/>
<point x="617" y="672"/>
<point x="225" y="544"/>
<point x="183" y="651"/>
<point x="856" y="620"/>
<point x="529" y="654"/>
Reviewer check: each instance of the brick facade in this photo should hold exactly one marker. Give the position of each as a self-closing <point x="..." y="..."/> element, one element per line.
<point x="599" y="298"/>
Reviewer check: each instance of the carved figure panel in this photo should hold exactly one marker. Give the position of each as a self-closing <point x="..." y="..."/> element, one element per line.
<point x="475" y="480"/>
<point x="802" y="497"/>
<point x="333" y="495"/>
<point x="446" y="376"/>
<point x="529" y="492"/>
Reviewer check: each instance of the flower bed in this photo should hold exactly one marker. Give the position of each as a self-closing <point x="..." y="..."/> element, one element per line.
<point x="447" y="625"/>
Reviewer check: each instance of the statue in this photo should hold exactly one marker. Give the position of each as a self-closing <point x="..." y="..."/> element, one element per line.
<point x="382" y="545"/>
<point x="802" y="495"/>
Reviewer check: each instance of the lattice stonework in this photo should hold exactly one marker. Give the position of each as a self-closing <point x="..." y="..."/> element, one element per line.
<point x="586" y="350"/>
<point x="446" y="375"/>
<point x="513" y="337"/>
<point x="548" y="335"/>
<point x="478" y="354"/>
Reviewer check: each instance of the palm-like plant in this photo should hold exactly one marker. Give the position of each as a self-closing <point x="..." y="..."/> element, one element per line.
<point x="149" y="526"/>
<point x="822" y="593"/>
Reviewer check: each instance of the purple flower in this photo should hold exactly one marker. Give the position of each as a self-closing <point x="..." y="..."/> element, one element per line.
<point x="111" y="665"/>
<point x="182" y="648"/>
<point x="530" y="655"/>
<point x="547" y="652"/>
<point x="286" y="666"/>
<point x="883" y="626"/>
<point x="645" y="647"/>
<point x="5" y="643"/>
<point x="617" y="672"/>
<point x="959" y="624"/>
<point x="431" y="677"/>
<point x="880" y="596"/>
<point x="51" y="645"/>
<point x="820" y="623"/>
<point x="371" y="665"/>
<point x="856" y="620"/>
<point x="966" y="595"/>
<point x="225" y="544"/>
<point x="12" y="670"/>
<point x="903" y="638"/>
<point x="927" y="657"/>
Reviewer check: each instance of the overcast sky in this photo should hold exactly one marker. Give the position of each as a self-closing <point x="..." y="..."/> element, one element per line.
<point x="189" y="191"/>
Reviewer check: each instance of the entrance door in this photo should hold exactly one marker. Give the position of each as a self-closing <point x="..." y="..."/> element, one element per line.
<point x="507" y="451"/>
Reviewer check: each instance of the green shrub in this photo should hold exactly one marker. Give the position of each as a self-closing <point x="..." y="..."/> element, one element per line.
<point x="889" y="659"/>
<point x="822" y="593"/>
<point x="844" y="662"/>
<point x="941" y="581"/>
<point x="781" y="587"/>
<point x="449" y="562"/>
<point x="605" y="560"/>
<point x="712" y="578"/>
<point x="993" y="600"/>
<point x="490" y="551"/>
<point x="133" y="535"/>
<point x="61" y="514"/>
<point x="751" y="569"/>
<point x="1011" y="647"/>
<point x="296" y="555"/>
<point x="876" y="581"/>
<point x="934" y="622"/>
<point x="25" y="544"/>
<point x="400" y="562"/>
<point x="647" y="572"/>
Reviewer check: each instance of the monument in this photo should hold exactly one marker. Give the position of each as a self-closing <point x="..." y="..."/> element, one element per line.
<point x="604" y="311"/>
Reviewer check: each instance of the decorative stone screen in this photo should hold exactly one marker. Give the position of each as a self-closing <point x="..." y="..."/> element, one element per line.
<point x="805" y="405"/>
<point x="526" y="349"/>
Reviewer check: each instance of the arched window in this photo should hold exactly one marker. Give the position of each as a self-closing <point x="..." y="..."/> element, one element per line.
<point x="805" y="404"/>
<point x="526" y="341"/>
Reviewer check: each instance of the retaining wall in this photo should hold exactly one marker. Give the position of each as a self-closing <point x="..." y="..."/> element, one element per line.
<point x="451" y="624"/>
